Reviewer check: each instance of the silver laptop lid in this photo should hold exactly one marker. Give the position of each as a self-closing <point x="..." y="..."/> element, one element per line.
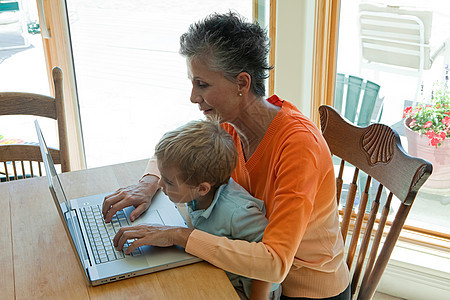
<point x="52" y="174"/>
<point x="61" y="201"/>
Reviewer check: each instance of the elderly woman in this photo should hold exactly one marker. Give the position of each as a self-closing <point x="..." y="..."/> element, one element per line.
<point x="283" y="160"/>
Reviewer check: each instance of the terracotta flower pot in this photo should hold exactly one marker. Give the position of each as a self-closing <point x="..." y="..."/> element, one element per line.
<point x="439" y="157"/>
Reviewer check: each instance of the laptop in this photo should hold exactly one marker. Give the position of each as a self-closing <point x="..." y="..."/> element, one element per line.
<point x="91" y="238"/>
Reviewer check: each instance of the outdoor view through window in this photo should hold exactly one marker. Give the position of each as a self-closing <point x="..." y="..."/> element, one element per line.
<point x="368" y="52"/>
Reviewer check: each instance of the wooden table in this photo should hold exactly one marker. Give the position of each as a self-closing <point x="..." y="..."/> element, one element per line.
<point x="37" y="260"/>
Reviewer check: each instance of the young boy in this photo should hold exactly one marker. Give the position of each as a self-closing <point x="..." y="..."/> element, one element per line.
<point x="196" y="161"/>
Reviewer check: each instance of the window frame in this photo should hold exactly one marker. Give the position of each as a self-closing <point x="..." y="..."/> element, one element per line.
<point x="57" y="49"/>
<point x="323" y="80"/>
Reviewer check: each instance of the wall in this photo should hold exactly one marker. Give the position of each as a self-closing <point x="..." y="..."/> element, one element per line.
<point x="294" y="49"/>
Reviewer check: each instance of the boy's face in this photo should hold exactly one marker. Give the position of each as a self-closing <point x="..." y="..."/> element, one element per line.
<point x="174" y="187"/>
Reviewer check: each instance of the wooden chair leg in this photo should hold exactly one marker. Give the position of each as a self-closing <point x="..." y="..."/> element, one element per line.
<point x="358" y="223"/>
<point x="15" y="170"/>
<point x="349" y="204"/>
<point x="339" y="181"/>
<point x="377" y="239"/>
<point x="366" y="240"/>
<point x="385" y="253"/>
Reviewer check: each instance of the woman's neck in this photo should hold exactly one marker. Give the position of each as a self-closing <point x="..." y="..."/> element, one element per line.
<point x="252" y="123"/>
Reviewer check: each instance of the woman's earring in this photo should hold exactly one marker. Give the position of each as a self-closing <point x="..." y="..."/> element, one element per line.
<point x="240" y="94"/>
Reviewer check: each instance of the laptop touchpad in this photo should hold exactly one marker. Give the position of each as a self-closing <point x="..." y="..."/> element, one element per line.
<point x="151" y="216"/>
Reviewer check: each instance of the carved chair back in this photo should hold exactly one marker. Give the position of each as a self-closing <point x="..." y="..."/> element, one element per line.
<point x="391" y="176"/>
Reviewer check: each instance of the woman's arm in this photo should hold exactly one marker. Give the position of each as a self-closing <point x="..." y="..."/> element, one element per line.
<point x="289" y="187"/>
<point x="294" y="184"/>
<point x="155" y="235"/>
<point x="138" y="195"/>
<point x="253" y="260"/>
<point x="152" y="168"/>
<point x="289" y="213"/>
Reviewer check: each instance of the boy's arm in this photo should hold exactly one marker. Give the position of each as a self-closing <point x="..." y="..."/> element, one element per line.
<point x="260" y="290"/>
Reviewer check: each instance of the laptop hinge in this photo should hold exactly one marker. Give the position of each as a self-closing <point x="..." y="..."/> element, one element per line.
<point x="75" y="227"/>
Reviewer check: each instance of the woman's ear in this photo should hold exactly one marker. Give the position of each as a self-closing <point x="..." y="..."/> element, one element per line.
<point x="243" y="81"/>
<point x="204" y="188"/>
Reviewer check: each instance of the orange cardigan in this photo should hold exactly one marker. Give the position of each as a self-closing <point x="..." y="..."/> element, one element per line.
<point x="292" y="172"/>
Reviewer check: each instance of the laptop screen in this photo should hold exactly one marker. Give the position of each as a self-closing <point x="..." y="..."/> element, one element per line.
<point x="61" y="201"/>
<point x="52" y="175"/>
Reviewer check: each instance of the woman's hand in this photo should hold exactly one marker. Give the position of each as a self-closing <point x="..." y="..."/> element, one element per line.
<point x="154" y="235"/>
<point x="139" y="195"/>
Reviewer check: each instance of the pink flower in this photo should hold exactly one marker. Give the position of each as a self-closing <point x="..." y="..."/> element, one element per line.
<point x="407" y="111"/>
<point x="430" y="134"/>
<point x="412" y="123"/>
<point x="427" y="124"/>
<point x="434" y="141"/>
<point x="442" y="135"/>
<point x="446" y="121"/>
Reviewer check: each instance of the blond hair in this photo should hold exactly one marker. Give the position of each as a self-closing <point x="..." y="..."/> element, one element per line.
<point x="202" y="151"/>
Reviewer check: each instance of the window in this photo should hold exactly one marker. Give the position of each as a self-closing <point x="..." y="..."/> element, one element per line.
<point x="430" y="213"/>
<point x="132" y="83"/>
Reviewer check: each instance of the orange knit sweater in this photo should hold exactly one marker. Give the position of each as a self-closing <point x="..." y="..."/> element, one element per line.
<point x="292" y="172"/>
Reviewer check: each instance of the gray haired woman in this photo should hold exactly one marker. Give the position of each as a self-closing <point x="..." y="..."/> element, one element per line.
<point x="283" y="160"/>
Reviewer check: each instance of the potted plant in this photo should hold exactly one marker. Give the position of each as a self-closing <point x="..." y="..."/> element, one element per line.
<point x="427" y="128"/>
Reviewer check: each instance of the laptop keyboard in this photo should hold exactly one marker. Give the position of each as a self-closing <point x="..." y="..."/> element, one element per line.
<point x="100" y="234"/>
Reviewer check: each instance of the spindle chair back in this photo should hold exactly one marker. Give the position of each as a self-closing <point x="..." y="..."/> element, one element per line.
<point x="371" y="235"/>
<point x="19" y="161"/>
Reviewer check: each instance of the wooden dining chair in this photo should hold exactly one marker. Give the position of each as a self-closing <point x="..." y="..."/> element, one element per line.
<point x="24" y="160"/>
<point x="392" y="176"/>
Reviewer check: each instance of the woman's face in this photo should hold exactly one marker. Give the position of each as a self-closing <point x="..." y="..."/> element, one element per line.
<point x="214" y="94"/>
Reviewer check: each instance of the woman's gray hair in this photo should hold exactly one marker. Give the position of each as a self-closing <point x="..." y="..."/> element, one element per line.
<point x="228" y="43"/>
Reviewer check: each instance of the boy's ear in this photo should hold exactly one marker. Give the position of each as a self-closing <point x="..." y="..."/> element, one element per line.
<point x="204" y="188"/>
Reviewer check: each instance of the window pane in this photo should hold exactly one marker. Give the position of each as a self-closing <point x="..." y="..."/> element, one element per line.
<point x="132" y="83"/>
<point x="398" y="90"/>
<point x="23" y="69"/>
